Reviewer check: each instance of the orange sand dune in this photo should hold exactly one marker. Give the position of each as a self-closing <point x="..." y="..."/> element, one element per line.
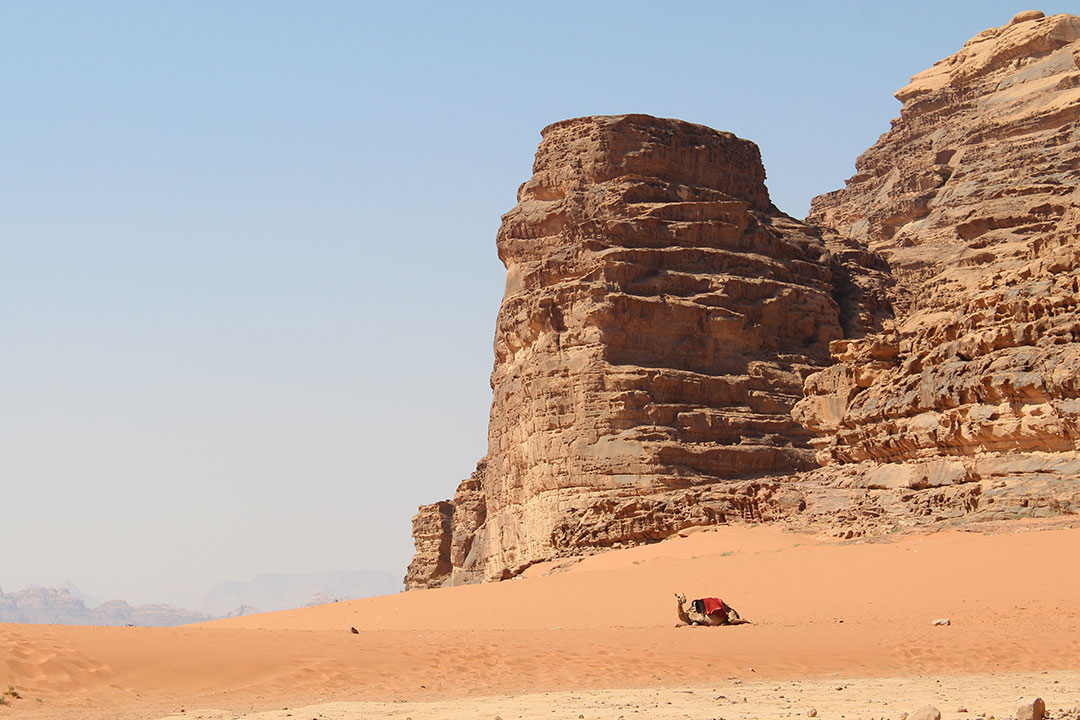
<point x="819" y="606"/>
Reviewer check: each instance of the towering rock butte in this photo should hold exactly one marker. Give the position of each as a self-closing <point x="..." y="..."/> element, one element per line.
<point x="659" y="319"/>
<point x="673" y="351"/>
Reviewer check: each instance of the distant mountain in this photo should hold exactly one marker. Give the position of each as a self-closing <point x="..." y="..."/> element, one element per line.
<point x="285" y="591"/>
<point x="60" y="606"/>
<point x="244" y="610"/>
<point x="68" y="605"/>
<point x="88" y="599"/>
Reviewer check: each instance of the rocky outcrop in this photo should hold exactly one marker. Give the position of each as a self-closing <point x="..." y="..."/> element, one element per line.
<point x="672" y="351"/>
<point x="61" y="607"/>
<point x="44" y="605"/>
<point x="972" y="197"/>
<point x="659" y="319"/>
<point x="432" y="530"/>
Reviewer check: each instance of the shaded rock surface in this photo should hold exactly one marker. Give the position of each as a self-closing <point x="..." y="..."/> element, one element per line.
<point x="673" y="351"/>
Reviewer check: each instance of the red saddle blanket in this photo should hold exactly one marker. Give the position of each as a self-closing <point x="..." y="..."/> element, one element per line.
<point x="714" y="605"/>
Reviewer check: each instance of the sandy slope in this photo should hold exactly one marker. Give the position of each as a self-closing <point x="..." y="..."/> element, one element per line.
<point x="821" y="607"/>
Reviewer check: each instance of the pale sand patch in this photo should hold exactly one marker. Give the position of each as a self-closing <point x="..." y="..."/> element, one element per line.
<point x="957" y="697"/>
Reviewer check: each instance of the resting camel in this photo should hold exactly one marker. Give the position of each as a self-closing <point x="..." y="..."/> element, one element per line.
<point x="720" y="617"/>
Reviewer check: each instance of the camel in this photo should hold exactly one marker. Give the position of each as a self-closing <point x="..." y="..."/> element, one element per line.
<point x="695" y="619"/>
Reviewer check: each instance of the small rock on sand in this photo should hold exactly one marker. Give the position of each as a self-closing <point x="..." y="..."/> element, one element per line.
<point x="812" y="712"/>
<point x="1031" y="709"/>
<point x="926" y="712"/>
<point x="943" y="621"/>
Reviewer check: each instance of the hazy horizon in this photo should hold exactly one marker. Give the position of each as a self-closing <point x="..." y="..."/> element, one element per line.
<point x="249" y="279"/>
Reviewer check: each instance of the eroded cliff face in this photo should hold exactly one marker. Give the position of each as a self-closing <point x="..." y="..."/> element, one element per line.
<point x="671" y="351"/>
<point x="973" y="199"/>
<point x="659" y="319"/>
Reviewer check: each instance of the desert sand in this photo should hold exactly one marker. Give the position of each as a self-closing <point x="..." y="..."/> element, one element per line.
<point x="844" y="627"/>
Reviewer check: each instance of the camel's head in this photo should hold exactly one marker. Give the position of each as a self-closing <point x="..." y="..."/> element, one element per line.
<point x="681" y="598"/>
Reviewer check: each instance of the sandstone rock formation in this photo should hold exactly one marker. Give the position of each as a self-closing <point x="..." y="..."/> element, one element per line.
<point x="672" y="351"/>
<point x="973" y="197"/>
<point x="659" y="319"/>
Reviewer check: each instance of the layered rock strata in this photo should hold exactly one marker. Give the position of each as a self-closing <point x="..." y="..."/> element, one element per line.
<point x="973" y="199"/>
<point x="660" y="350"/>
<point x="659" y="319"/>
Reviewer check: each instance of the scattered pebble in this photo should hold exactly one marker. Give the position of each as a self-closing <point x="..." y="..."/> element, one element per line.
<point x="943" y="621"/>
<point x="812" y="712"/>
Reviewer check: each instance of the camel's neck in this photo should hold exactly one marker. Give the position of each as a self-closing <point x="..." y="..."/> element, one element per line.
<point x="682" y="611"/>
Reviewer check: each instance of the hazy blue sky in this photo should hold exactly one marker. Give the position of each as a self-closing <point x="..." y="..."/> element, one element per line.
<point x="248" y="279"/>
